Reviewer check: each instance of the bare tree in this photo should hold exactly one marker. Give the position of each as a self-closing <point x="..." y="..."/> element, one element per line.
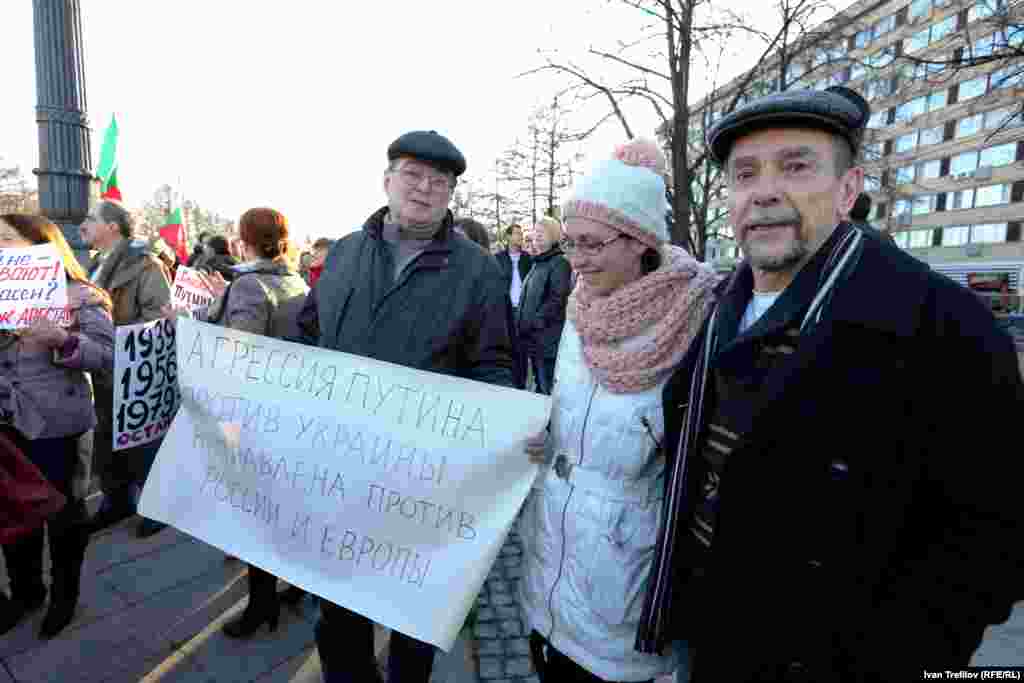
<point x="655" y="69"/>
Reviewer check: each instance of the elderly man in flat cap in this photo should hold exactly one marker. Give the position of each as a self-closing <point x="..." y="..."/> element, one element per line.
<point x="842" y="501"/>
<point x="407" y="289"/>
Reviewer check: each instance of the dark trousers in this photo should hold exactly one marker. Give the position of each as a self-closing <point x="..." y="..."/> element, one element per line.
<point x="68" y="539"/>
<point x="554" y="667"/>
<point x="344" y="640"/>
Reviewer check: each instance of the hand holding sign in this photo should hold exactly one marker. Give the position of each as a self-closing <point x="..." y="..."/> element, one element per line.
<point x="192" y="289"/>
<point x="33" y="285"/>
<point x="46" y="332"/>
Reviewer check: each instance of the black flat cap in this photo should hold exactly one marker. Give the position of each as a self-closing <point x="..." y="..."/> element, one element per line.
<point x="836" y="110"/>
<point x="430" y="146"/>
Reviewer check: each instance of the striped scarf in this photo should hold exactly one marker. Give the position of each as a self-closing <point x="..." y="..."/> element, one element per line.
<point x="654" y="620"/>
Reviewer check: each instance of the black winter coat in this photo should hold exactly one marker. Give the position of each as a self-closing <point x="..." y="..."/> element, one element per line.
<point x="901" y="563"/>
<point x="505" y="263"/>
<point x="542" y="307"/>
<point x="445" y="313"/>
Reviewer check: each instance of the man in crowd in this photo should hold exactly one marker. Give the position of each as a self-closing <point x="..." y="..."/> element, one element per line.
<point x="405" y="289"/>
<point x="515" y="264"/>
<point x="316" y="265"/>
<point x="139" y="285"/>
<point x="842" y="486"/>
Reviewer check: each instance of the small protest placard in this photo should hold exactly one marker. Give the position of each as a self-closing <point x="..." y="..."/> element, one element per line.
<point x="189" y="291"/>
<point x="146" y="394"/>
<point x="32" y="285"/>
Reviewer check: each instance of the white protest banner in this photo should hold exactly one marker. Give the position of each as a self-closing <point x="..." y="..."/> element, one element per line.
<point x="384" y="489"/>
<point x="146" y="394"/>
<point x="32" y="285"/>
<point x="189" y="291"/>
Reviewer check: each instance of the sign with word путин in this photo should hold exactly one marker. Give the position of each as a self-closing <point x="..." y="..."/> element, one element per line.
<point x="189" y="291"/>
<point x="384" y="489"/>
<point x="146" y="393"/>
<point x="32" y="285"/>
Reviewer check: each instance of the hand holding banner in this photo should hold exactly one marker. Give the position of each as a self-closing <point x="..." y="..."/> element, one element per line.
<point x="32" y="285"/>
<point x="384" y="489"/>
<point x="189" y="291"/>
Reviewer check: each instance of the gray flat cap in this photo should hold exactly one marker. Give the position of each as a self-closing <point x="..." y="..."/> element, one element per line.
<point x="430" y="146"/>
<point x="836" y="110"/>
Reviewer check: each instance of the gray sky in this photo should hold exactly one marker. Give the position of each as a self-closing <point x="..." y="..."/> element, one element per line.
<point x="292" y="105"/>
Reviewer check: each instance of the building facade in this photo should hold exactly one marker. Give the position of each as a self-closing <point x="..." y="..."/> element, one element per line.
<point x="944" y="154"/>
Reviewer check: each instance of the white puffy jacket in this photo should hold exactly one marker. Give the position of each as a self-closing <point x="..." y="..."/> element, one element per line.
<point x="588" y="538"/>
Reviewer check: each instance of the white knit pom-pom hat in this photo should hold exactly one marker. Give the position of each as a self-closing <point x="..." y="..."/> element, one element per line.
<point x="626" y="192"/>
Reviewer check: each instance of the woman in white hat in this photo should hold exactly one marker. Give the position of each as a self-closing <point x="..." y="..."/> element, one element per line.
<point x="589" y="525"/>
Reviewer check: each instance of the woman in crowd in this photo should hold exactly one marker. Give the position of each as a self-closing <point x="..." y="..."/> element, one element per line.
<point x="46" y="405"/>
<point x="264" y="298"/>
<point x="541" y="313"/>
<point x="589" y="525"/>
<point x="218" y="258"/>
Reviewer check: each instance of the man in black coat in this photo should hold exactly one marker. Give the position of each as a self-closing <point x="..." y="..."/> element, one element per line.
<point x="842" y="494"/>
<point x="407" y="289"/>
<point x="515" y="265"/>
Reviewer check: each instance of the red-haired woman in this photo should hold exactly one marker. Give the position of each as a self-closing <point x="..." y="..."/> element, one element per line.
<point x="264" y="298"/>
<point x="45" y="406"/>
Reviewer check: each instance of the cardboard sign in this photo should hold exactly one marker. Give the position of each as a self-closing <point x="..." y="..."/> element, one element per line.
<point x="189" y="291"/>
<point x="146" y="393"/>
<point x="32" y="285"/>
<point x="384" y="489"/>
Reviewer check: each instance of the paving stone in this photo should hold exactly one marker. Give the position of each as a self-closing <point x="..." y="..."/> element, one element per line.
<point x="507" y="612"/>
<point x="302" y="668"/>
<point x="93" y="654"/>
<point x="163" y="569"/>
<point x="511" y="627"/>
<point x="491" y="668"/>
<point x="486" y="630"/>
<point x="119" y="545"/>
<point x="518" y="666"/>
<point x="502" y="599"/>
<point x="517" y="646"/>
<point x="489" y="647"/>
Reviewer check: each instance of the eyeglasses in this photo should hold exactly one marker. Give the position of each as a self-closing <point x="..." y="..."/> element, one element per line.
<point x="414" y="178"/>
<point x="571" y="246"/>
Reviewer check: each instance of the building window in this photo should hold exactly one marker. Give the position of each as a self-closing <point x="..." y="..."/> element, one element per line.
<point x="924" y="203"/>
<point x="1009" y="77"/>
<point x="983" y="46"/>
<point x="881" y="87"/>
<point x="1000" y="155"/>
<point x="794" y="71"/>
<point x="1003" y="118"/>
<point x="872" y="183"/>
<point x="992" y="195"/>
<point x="902" y="206"/>
<point x="857" y="70"/>
<point x="904" y="174"/>
<point x="877" y="119"/>
<point x="862" y="38"/>
<point x="937" y="99"/>
<point x="991" y="233"/>
<point x="908" y="110"/>
<point x="905" y="143"/>
<point x="931" y="136"/>
<point x="901" y="239"/>
<point x="961" y="199"/>
<point x="963" y="163"/>
<point x="943" y="28"/>
<point x="919" y="8"/>
<point x="884" y="26"/>
<point x="982" y="9"/>
<point x="920" y="239"/>
<point x="969" y="126"/>
<point x="956" y="235"/>
<point x="973" y="88"/>
<point x="918" y="41"/>
<point x="929" y="170"/>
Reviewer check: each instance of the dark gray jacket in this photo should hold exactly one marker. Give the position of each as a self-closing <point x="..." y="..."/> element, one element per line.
<point x="264" y="298"/>
<point x="445" y="313"/>
<point x="541" y="312"/>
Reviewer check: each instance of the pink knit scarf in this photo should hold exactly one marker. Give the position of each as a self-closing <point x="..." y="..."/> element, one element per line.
<point x="634" y="337"/>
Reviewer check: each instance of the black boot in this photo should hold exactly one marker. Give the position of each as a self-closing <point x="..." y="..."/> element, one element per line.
<point x="24" y="560"/>
<point x="69" y="537"/>
<point x="263" y="607"/>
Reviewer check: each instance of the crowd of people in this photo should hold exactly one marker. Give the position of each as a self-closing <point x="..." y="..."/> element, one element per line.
<point x="786" y="474"/>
